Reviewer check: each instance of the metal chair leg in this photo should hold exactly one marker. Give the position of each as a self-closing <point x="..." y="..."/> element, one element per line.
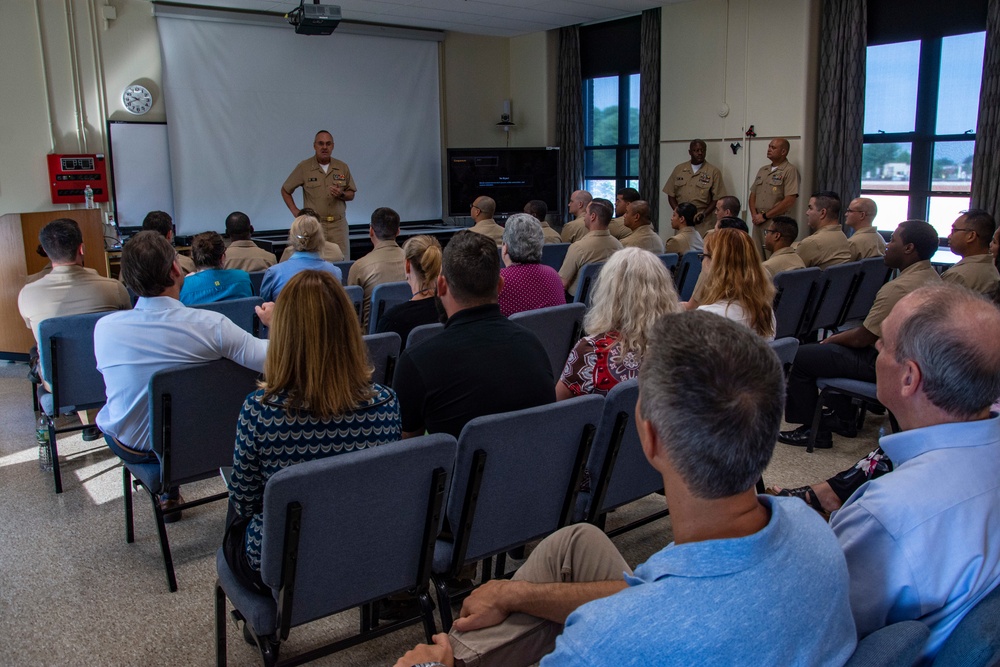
<point x="817" y="418"/>
<point x="168" y="561"/>
<point x="444" y="602"/>
<point x="54" y="454"/>
<point x="127" y="494"/>
<point x="427" y="615"/>
<point x="220" y="625"/>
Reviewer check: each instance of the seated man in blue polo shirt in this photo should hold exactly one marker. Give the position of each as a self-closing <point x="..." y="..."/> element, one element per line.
<point x="747" y="577"/>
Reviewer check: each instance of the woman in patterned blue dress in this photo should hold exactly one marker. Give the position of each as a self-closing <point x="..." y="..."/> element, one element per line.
<point x="316" y="400"/>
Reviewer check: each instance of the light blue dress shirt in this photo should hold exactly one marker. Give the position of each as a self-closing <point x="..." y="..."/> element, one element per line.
<point x="923" y="542"/>
<point x="281" y="273"/>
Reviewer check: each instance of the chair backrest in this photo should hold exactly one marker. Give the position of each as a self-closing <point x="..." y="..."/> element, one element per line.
<point x="794" y="295"/>
<point x="240" y="311"/>
<point x="531" y="464"/>
<point x="384" y="297"/>
<point x="256" y="278"/>
<point x="383" y="351"/>
<point x="356" y="293"/>
<point x="419" y="334"/>
<point x="975" y="641"/>
<point x="193" y="410"/>
<point x="874" y="273"/>
<point x="553" y="254"/>
<point x="345" y="269"/>
<point x="364" y="525"/>
<point x="837" y="284"/>
<point x="687" y="274"/>
<point x="585" y="282"/>
<point x="67" y="361"/>
<point x="895" y="645"/>
<point x="558" y="327"/>
<point x="670" y="260"/>
<point x="785" y="348"/>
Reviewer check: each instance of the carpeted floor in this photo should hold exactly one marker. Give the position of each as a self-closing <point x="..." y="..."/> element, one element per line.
<point x="72" y="592"/>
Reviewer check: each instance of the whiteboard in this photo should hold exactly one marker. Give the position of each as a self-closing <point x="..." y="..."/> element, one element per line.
<point x="140" y="170"/>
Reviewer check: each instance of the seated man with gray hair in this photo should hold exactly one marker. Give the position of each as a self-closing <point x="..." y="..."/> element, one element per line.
<point x="527" y="283"/>
<point x="747" y="577"/>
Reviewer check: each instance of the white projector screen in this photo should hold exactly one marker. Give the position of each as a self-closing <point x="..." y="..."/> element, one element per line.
<point x="244" y="102"/>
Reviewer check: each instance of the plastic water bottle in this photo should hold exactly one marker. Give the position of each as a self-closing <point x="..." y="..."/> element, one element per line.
<point x="44" y="453"/>
<point x="88" y="196"/>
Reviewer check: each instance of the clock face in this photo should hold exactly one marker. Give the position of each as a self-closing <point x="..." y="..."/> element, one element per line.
<point x="137" y="99"/>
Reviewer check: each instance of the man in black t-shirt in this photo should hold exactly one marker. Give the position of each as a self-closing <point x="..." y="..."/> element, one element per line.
<point x="482" y="363"/>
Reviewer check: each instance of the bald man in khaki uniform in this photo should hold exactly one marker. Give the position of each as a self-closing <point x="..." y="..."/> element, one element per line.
<point x="384" y="264"/>
<point x="774" y="189"/>
<point x="482" y="214"/>
<point x="865" y="242"/>
<point x="617" y="226"/>
<point x="596" y="246"/>
<point x="643" y="235"/>
<point x="827" y="245"/>
<point x="970" y="237"/>
<point x="778" y="238"/>
<point x="327" y="186"/>
<point x="696" y="182"/>
<point x="576" y="229"/>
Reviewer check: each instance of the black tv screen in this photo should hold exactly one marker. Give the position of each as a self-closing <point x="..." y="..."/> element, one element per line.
<point x="511" y="176"/>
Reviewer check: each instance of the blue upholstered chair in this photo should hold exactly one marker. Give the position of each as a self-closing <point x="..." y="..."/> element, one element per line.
<point x="67" y="362"/>
<point x="794" y="297"/>
<point x="256" y="278"/>
<point x="896" y="645"/>
<point x="330" y="544"/>
<point x="383" y="352"/>
<point x="785" y="348"/>
<point x="240" y="311"/>
<point x="553" y="254"/>
<point x="873" y="274"/>
<point x="686" y="276"/>
<point x="516" y="480"/>
<point x="356" y="293"/>
<point x="670" y="261"/>
<point x="585" y="282"/>
<point x="193" y="433"/>
<point x="837" y="285"/>
<point x="384" y="297"/>
<point x="558" y="327"/>
<point x="419" y="334"/>
<point x="345" y="270"/>
<point x="975" y="641"/>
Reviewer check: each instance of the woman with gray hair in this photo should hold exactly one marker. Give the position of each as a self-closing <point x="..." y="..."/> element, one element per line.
<point x="306" y="238"/>
<point x="527" y="283"/>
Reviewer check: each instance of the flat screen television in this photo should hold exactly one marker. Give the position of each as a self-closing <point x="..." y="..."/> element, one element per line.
<point x="511" y="176"/>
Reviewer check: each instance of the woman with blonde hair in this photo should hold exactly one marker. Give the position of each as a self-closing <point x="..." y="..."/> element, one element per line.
<point x="422" y="267"/>
<point x="633" y="291"/>
<point x="316" y="400"/>
<point x="306" y="238"/>
<point x="738" y="288"/>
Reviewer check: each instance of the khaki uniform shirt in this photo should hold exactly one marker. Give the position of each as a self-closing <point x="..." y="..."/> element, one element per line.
<point x="912" y="277"/>
<point x="865" y="243"/>
<point x="489" y="228"/>
<point x="186" y="264"/>
<point x="618" y="229"/>
<point x="315" y="185"/>
<point x="785" y="259"/>
<point x="246" y="256"/>
<point x="827" y="246"/>
<point x="596" y="246"/>
<point x="551" y="235"/>
<point x="384" y="264"/>
<point x="770" y="187"/>
<point x="573" y="231"/>
<point x="977" y="272"/>
<point x="699" y="189"/>
<point x="685" y="240"/>
<point x="331" y="252"/>
<point x="69" y="290"/>
<point x="646" y="238"/>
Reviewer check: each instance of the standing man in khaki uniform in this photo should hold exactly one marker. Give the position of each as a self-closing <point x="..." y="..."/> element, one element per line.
<point x="482" y="214"/>
<point x="576" y="229"/>
<point x="384" y="264"/>
<point x="778" y="239"/>
<point x="865" y="241"/>
<point x="827" y="245"/>
<point x="243" y="253"/>
<point x="596" y="246"/>
<point x="774" y="189"/>
<point x="696" y="182"/>
<point x="327" y="186"/>
<point x="643" y="235"/>
<point x="970" y="237"/>
<point x="623" y="198"/>
<point x="539" y="210"/>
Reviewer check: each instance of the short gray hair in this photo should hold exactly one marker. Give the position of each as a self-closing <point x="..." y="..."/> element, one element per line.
<point x="524" y="238"/>
<point x="714" y="391"/>
<point x="960" y="375"/>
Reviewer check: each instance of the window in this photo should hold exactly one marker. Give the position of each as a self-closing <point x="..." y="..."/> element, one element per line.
<point x="611" y="134"/>
<point x="921" y="107"/>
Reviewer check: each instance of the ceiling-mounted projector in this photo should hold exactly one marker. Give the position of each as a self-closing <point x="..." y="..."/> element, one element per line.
<point x="314" y="19"/>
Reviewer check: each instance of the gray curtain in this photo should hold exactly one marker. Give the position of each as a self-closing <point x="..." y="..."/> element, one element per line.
<point x="986" y="160"/>
<point x="569" y="112"/>
<point x="649" y="112"/>
<point x="841" y="112"/>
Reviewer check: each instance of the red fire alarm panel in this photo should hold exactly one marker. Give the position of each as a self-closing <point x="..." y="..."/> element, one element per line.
<point x="70" y="174"/>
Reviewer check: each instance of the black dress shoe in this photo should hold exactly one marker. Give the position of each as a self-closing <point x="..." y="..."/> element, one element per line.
<point x="831" y="421"/>
<point x="800" y="438"/>
<point x="92" y="433"/>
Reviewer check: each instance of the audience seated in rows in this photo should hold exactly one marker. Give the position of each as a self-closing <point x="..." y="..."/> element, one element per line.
<point x="328" y="251"/>
<point x="242" y="253"/>
<point x="827" y="245"/>
<point x="421" y="268"/>
<point x="163" y="224"/>
<point x="596" y="246"/>
<point x="633" y="291"/>
<point x="316" y="400"/>
<point x="710" y="396"/>
<point x="482" y="363"/>
<point x="738" y="287"/>
<point x="576" y="229"/>
<point x="686" y="238"/>
<point x="482" y="214"/>
<point x="643" y="235"/>
<point x="527" y="283"/>
<point x="210" y="282"/>
<point x="384" y="264"/>
<point x="851" y="354"/>
<point x="539" y="210"/>
<point x="779" y="235"/>
<point x="160" y="332"/>
<point x="305" y="239"/>
<point x="970" y="238"/>
<point x="617" y="226"/>
<point x="865" y="242"/>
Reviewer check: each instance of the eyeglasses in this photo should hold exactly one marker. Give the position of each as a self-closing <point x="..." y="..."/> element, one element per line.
<point x="961" y="229"/>
<point x="771" y="231"/>
<point x="854" y="210"/>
